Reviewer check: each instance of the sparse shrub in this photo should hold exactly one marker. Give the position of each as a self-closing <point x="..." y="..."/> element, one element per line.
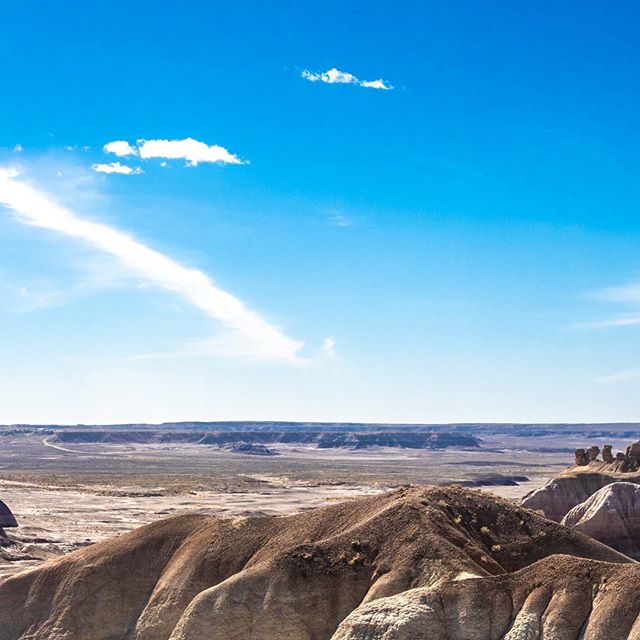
<point x="458" y="519"/>
<point x="496" y="547"/>
<point x="485" y="531"/>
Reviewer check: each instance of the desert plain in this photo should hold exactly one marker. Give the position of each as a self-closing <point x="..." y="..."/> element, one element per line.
<point x="67" y="493"/>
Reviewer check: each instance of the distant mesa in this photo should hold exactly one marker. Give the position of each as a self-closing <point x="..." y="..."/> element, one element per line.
<point x="250" y="449"/>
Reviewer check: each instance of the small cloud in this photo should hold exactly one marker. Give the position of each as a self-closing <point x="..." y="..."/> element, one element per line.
<point x="335" y="76"/>
<point x="193" y="151"/>
<point x="18" y="148"/>
<point x="120" y="148"/>
<point x="116" y="167"/>
<point x="329" y="345"/>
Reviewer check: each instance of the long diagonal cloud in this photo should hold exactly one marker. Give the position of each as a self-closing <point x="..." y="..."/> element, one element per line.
<point x="246" y="332"/>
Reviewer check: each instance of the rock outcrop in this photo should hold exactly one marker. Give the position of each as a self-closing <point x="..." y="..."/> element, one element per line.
<point x="588" y="475"/>
<point x="611" y="515"/>
<point x="298" y="577"/>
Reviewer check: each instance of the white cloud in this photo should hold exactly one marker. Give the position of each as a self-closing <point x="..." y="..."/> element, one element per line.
<point x="246" y="332"/>
<point x="189" y="149"/>
<point x="18" y="148"/>
<point x="335" y="76"/>
<point x="116" y="167"/>
<point x="120" y="148"/>
<point x="193" y="151"/>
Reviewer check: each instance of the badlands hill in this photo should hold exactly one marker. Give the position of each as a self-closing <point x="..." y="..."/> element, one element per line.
<point x="299" y="577"/>
<point x="611" y="515"/>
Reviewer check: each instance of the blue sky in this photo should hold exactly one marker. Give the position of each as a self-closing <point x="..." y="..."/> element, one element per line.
<point x="407" y="212"/>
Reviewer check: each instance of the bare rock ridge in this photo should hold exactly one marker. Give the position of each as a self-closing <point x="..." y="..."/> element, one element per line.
<point x="299" y="577"/>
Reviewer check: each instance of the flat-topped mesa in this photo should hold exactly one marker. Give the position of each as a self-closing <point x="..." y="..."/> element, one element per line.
<point x="622" y="462"/>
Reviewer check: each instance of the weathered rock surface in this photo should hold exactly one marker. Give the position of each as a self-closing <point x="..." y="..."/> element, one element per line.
<point x="298" y="577"/>
<point x="611" y="515"/>
<point x="555" y="599"/>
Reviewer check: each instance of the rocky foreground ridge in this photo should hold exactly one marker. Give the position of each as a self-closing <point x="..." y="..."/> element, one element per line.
<point x="420" y="563"/>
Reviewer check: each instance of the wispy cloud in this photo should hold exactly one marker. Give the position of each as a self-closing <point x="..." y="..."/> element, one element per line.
<point x="627" y="295"/>
<point x="340" y="220"/>
<point x="245" y="332"/>
<point x="621" y="376"/>
<point x="189" y="149"/>
<point x="335" y="76"/>
<point x="607" y="324"/>
<point x="116" y="167"/>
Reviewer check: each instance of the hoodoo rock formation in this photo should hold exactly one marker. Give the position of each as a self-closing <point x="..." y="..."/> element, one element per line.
<point x="627" y="462"/>
<point x="299" y="577"/>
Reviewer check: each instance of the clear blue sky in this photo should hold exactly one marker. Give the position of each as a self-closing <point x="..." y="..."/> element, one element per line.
<point x="458" y="241"/>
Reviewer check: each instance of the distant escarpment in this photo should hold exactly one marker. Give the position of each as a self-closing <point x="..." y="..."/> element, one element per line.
<point x="349" y="440"/>
<point x="421" y="563"/>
